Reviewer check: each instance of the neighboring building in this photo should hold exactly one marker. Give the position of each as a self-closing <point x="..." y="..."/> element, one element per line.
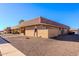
<point x="43" y="27"/>
<point x="15" y="29"/>
<point x="8" y="30"/>
<point x="1" y="32"/>
<point x="76" y="31"/>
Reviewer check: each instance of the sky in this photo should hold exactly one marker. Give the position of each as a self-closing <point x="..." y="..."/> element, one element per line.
<point x="12" y="13"/>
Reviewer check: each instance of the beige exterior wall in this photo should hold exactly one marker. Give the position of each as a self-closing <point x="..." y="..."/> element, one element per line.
<point x="53" y="32"/>
<point x="29" y="32"/>
<point x="65" y="31"/>
<point x="43" y="33"/>
<point x="22" y="34"/>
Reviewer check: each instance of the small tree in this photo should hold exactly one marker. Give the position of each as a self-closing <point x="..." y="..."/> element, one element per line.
<point x="21" y="21"/>
<point x="8" y="29"/>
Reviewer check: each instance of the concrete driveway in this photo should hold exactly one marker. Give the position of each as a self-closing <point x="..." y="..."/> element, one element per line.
<point x="6" y="49"/>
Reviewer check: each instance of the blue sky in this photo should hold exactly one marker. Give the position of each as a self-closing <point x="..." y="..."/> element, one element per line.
<point x="11" y="14"/>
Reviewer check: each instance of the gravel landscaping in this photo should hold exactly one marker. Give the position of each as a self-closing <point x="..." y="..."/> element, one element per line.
<point x="44" y="47"/>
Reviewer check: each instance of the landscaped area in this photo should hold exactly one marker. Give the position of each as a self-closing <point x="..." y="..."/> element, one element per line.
<point x="43" y="47"/>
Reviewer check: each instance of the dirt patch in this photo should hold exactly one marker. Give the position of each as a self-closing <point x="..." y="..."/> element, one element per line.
<point x="44" y="47"/>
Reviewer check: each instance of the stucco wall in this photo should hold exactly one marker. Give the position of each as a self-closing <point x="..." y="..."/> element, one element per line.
<point x="65" y="31"/>
<point x="53" y="32"/>
<point x="41" y="33"/>
<point x="22" y="34"/>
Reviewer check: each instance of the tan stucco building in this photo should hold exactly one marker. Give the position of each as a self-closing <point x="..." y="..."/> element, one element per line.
<point x="45" y="28"/>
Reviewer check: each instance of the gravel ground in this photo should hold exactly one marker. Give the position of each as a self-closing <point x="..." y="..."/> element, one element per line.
<point x="44" y="47"/>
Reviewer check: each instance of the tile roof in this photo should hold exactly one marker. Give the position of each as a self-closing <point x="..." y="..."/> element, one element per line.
<point x="42" y="20"/>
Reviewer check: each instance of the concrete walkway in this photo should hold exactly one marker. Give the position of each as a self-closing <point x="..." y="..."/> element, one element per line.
<point x="6" y="49"/>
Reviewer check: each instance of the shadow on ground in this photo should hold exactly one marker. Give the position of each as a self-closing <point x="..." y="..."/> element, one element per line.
<point x="73" y="37"/>
<point x="3" y="41"/>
